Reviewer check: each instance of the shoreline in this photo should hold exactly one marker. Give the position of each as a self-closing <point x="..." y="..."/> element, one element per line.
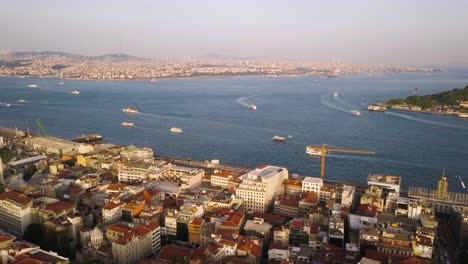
<point x="422" y="111"/>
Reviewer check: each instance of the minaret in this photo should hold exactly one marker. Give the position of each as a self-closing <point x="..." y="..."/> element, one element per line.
<point x="2" y="181"/>
<point x="442" y="187"/>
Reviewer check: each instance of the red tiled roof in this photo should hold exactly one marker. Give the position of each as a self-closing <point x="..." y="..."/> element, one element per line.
<point x="296" y="223"/>
<point x="270" y="218"/>
<point x="367" y="210"/>
<point x="17" y="197"/>
<point x="118" y="228"/>
<point x="6" y="238"/>
<point x="289" y="201"/>
<point x="169" y="252"/>
<point x="234" y="219"/>
<point x="112" y="205"/>
<point x="60" y="206"/>
<point x="197" y="221"/>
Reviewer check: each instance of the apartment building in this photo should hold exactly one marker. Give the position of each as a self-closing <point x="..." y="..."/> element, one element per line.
<point x="134" y="172"/>
<point x="15" y="212"/>
<point x="260" y="187"/>
<point x="138" y="243"/>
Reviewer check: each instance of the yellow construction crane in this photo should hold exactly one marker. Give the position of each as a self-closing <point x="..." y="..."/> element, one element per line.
<point x="321" y="151"/>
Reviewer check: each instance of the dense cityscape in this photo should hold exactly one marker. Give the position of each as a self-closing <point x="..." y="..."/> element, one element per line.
<point x="68" y="202"/>
<point x="125" y="67"/>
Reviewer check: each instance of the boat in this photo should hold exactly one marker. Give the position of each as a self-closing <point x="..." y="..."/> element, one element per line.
<point x="8" y="105"/>
<point x="129" y="110"/>
<point x="61" y="83"/>
<point x="463" y="115"/>
<point x="75" y="92"/>
<point x="33" y="85"/>
<point x="310" y="150"/>
<point x="127" y="124"/>
<point x="88" y="138"/>
<point x="252" y="107"/>
<point x="335" y="94"/>
<point x="279" y="139"/>
<point x="376" y="108"/>
<point x="22" y="101"/>
<point x="356" y="113"/>
<point x="153" y="80"/>
<point x="461" y="182"/>
<point x="176" y="130"/>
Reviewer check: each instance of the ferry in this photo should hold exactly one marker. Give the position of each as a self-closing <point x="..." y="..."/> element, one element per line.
<point x="129" y="110"/>
<point x="252" y="107"/>
<point x="279" y="139"/>
<point x="22" y="101"/>
<point x="310" y="150"/>
<point x="75" y="92"/>
<point x="356" y="113"/>
<point x="176" y="130"/>
<point x="127" y="124"/>
<point x="87" y="138"/>
<point x="33" y="85"/>
<point x="376" y="108"/>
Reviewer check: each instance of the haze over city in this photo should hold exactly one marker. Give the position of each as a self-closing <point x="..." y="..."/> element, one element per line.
<point x="362" y="32"/>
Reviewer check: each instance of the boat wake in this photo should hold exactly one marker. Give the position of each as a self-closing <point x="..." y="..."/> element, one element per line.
<point x="421" y="120"/>
<point x="325" y="100"/>
<point x="244" y="101"/>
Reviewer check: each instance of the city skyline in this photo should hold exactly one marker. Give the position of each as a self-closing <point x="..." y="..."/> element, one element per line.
<point x="380" y="33"/>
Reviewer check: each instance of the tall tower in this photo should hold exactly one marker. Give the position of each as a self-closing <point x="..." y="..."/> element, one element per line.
<point x="442" y="187"/>
<point x="2" y="181"/>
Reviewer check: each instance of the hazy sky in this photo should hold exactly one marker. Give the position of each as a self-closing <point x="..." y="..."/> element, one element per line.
<point x="419" y="32"/>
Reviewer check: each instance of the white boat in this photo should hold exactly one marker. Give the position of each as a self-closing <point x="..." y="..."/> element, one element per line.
<point x="278" y="139"/>
<point x="356" y="113"/>
<point x="75" y="92"/>
<point x="61" y="83"/>
<point x="153" y="80"/>
<point x="33" y="85"/>
<point x="252" y="107"/>
<point x="310" y="150"/>
<point x="8" y="105"/>
<point x="335" y="94"/>
<point x="176" y="130"/>
<point x="463" y="115"/>
<point x="127" y="124"/>
<point x="22" y="101"/>
<point x="129" y="110"/>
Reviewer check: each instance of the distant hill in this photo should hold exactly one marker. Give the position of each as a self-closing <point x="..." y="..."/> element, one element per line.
<point x="443" y="99"/>
<point x="34" y="55"/>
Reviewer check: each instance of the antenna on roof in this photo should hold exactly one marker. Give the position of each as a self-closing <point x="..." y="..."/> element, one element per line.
<point x="443" y="172"/>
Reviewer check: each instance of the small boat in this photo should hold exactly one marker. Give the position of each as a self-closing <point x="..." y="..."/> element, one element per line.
<point x="8" y="105"/>
<point x="127" y="124"/>
<point x="61" y="83"/>
<point x="252" y="107"/>
<point x="461" y="182"/>
<point x="335" y="94"/>
<point x="356" y="113"/>
<point x="176" y="130"/>
<point x="22" y="101"/>
<point x="313" y="151"/>
<point x="75" y="92"/>
<point x="279" y="139"/>
<point x="33" y="85"/>
<point x="153" y="80"/>
<point x="129" y="110"/>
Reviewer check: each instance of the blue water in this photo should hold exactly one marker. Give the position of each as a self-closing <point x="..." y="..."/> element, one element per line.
<point x="218" y="125"/>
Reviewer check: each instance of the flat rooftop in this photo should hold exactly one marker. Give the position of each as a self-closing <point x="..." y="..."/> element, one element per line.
<point x="387" y="179"/>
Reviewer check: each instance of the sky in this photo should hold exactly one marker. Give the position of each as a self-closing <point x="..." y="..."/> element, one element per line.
<point x="390" y="32"/>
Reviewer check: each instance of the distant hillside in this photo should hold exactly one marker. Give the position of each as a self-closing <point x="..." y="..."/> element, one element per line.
<point x="34" y="55"/>
<point x="443" y="99"/>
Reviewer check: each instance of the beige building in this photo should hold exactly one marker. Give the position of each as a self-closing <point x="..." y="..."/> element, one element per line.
<point x="112" y="211"/>
<point x="139" y="243"/>
<point x="134" y="172"/>
<point x="260" y="187"/>
<point x="312" y="184"/>
<point x="15" y="212"/>
<point x="52" y="145"/>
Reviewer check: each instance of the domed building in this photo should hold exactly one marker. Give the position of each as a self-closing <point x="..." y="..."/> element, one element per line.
<point x="97" y="237"/>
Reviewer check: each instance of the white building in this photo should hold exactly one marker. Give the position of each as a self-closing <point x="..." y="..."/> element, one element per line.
<point x="139" y="243"/>
<point x="15" y="212"/>
<point x="312" y="184"/>
<point x="134" y="172"/>
<point x="223" y="178"/>
<point x="347" y="196"/>
<point x="260" y="187"/>
<point x="112" y="211"/>
<point x="53" y="145"/>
